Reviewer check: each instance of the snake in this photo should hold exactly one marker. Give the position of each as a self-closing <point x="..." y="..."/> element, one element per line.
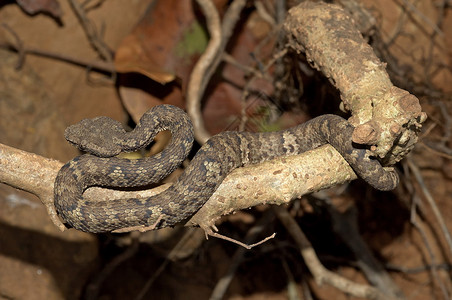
<point x="104" y="138"/>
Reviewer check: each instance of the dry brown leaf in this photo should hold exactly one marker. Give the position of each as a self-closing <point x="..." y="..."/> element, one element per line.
<point x="163" y="46"/>
<point x="163" y="55"/>
<point x="132" y="57"/>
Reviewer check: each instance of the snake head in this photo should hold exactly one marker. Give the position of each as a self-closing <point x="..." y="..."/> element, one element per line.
<point x="99" y="136"/>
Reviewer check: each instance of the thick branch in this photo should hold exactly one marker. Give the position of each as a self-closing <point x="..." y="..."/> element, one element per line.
<point x="278" y="181"/>
<point x="386" y="117"/>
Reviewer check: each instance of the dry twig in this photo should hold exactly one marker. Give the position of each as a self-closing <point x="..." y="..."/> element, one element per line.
<point x="320" y="273"/>
<point x="93" y="36"/>
<point x="433" y="261"/>
<point x="209" y="60"/>
<point x="197" y="83"/>
<point x="23" y="51"/>
<point x="224" y="282"/>
<point x="432" y="203"/>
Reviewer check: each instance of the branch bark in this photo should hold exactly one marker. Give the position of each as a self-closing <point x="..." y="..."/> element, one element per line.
<point x="277" y="181"/>
<point x="386" y="117"/>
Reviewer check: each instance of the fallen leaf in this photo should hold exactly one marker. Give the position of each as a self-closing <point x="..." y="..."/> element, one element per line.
<point x="164" y="47"/>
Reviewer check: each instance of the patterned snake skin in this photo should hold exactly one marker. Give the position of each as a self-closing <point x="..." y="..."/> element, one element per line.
<point x="104" y="137"/>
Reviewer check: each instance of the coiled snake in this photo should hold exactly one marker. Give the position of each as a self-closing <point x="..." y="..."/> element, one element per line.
<point x="104" y="138"/>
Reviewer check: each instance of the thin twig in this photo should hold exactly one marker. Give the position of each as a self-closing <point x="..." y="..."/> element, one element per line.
<point x="246" y="89"/>
<point x="307" y="295"/>
<point x="22" y="50"/>
<point x="93" y="36"/>
<point x="19" y="47"/>
<point x="432" y="203"/>
<point x="100" y="66"/>
<point x="209" y="60"/>
<point x="440" y="152"/>
<point x="87" y="5"/>
<point x="292" y="286"/>
<point x="264" y="14"/>
<point x="432" y="257"/>
<point x="91" y="32"/>
<point x="320" y="273"/>
<point x="414" y="9"/>
<point x="234" y="241"/>
<point x="224" y="282"/>
<point x="394" y="268"/>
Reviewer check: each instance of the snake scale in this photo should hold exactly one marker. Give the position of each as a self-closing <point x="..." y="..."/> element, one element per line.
<point x="105" y="138"/>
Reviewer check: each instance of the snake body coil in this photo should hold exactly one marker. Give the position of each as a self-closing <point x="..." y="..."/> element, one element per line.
<point x="220" y="155"/>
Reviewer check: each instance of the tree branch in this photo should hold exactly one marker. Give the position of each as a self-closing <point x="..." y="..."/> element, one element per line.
<point x="386" y="117"/>
<point x="277" y="181"/>
<point x="209" y="60"/>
